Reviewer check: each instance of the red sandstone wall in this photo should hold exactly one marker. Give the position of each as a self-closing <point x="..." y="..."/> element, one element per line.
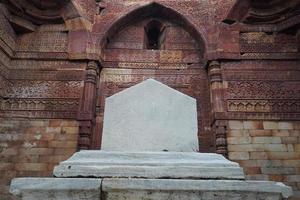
<point x="31" y="148"/>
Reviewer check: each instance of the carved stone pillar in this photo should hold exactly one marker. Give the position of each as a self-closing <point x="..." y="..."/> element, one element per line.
<point x="220" y="128"/>
<point x="86" y="113"/>
<point x="216" y="86"/>
<point x="217" y="101"/>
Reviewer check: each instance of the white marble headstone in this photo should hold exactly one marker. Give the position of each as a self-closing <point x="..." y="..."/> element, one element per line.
<point x="150" y="116"/>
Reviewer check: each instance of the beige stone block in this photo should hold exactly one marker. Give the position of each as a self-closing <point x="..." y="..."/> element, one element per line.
<point x="55" y="122"/>
<point x="277" y="178"/>
<point x="294" y="133"/>
<point x="289" y="140"/>
<point x="290" y="147"/>
<point x="266" y="140"/>
<point x="291" y="163"/>
<point x="260" y="133"/>
<point x="36" y="151"/>
<point x="270" y="163"/>
<point x="6" y="166"/>
<point x="70" y="123"/>
<point x="234" y="124"/>
<point x="70" y="130"/>
<point x="239" y="140"/>
<point x="53" y="129"/>
<point x="63" y="144"/>
<point x="280" y="133"/>
<point x="297" y="125"/>
<point x="283" y="155"/>
<point x="278" y="170"/>
<point x="275" y="147"/>
<point x="39" y="123"/>
<point x="293" y="178"/>
<point x="285" y="125"/>
<point x="9" y="151"/>
<point x="246" y="147"/>
<point x="238" y="155"/>
<point x="254" y="125"/>
<point x="297" y="147"/>
<point x="258" y="155"/>
<point x="248" y="163"/>
<point x="252" y="170"/>
<point x="238" y="133"/>
<point x="31" y="167"/>
<point x="270" y="125"/>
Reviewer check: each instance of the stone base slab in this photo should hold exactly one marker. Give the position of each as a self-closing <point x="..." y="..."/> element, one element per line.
<point x="150" y="189"/>
<point x="176" y="165"/>
<point x="56" y="188"/>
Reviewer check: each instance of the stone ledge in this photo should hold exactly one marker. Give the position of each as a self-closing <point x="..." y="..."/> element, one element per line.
<point x="177" y="165"/>
<point x="152" y="189"/>
<point x="223" y="186"/>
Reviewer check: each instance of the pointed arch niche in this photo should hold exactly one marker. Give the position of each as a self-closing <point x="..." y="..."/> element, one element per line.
<point x="154" y="41"/>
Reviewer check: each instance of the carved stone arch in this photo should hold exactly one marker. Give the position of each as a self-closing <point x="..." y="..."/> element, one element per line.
<point x="191" y="79"/>
<point x="148" y="10"/>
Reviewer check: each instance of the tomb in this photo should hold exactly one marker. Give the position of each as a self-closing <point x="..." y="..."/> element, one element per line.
<point x="170" y="168"/>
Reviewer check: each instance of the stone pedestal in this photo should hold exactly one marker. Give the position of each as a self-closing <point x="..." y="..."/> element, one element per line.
<point x="147" y="175"/>
<point x="140" y="123"/>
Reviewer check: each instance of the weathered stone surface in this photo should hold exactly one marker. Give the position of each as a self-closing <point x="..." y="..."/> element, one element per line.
<point x="137" y="189"/>
<point x="56" y="188"/>
<point x="150" y="116"/>
<point x="149" y="165"/>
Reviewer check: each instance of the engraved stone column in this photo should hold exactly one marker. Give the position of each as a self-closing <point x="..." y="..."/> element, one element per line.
<point x="217" y="100"/>
<point x="216" y="86"/>
<point x="88" y="105"/>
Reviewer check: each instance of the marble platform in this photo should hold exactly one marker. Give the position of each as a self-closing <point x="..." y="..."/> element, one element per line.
<point x="150" y="141"/>
<point x="102" y="175"/>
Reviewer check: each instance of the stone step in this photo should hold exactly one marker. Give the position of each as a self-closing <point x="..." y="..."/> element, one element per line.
<point x="177" y="165"/>
<point x="150" y="189"/>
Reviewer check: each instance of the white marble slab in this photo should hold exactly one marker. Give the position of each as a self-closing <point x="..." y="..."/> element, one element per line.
<point x="150" y="116"/>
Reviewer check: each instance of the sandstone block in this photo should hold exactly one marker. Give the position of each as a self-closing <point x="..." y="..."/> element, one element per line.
<point x="238" y="155"/>
<point x="31" y="167"/>
<point x="258" y="155"/>
<point x="238" y="133"/>
<point x="246" y="147"/>
<point x="280" y="133"/>
<point x="283" y="155"/>
<point x="70" y="130"/>
<point x="266" y="140"/>
<point x="275" y="147"/>
<point x="293" y="178"/>
<point x="278" y="170"/>
<point x="239" y="140"/>
<point x="260" y="133"/>
<point x="270" y="125"/>
<point x="285" y="125"/>
<point x="36" y="151"/>
<point x="236" y="125"/>
<point x="255" y="125"/>
<point x="289" y="140"/>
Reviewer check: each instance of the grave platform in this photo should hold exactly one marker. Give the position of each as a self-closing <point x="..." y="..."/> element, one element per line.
<point x="104" y="175"/>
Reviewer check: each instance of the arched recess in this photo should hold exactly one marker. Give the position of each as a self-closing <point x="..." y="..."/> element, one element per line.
<point x="153" y="10"/>
<point x="191" y="79"/>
